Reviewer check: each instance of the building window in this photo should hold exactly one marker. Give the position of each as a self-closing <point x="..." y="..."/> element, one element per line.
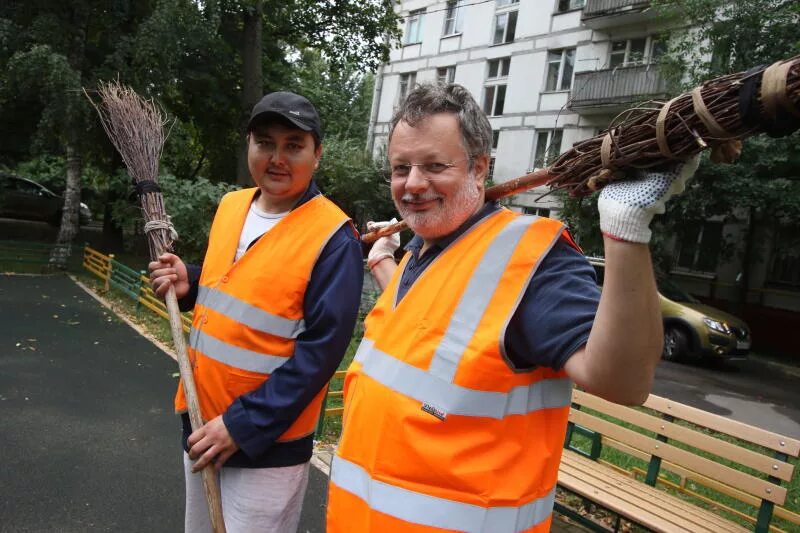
<point x="560" y="66"/>
<point x="639" y="51"/>
<point x="569" y="5"/>
<point x="494" y="100"/>
<point x="414" y="27"/>
<point x="490" y="174"/>
<point x="548" y="146"/>
<point x="499" y="68"/>
<point x="495" y="139"/>
<point x="453" y="17"/>
<point x="505" y="24"/>
<point x="446" y="74"/>
<point x="407" y="82"/>
<point x="699" y="247"/>
<point x="503" y="3"/>
<point x="538" y="211"/>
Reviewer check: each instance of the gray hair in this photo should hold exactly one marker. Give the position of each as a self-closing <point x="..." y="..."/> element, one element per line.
<point x="432" y="98"/>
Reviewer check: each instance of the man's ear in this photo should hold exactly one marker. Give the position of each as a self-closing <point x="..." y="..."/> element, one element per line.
<point x="481" y="167"/>
<point x="318" y="155"/>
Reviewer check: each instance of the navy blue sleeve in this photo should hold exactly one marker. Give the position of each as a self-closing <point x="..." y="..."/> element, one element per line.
<point x="187" y="302"/>
<point x="556" y="313"/>
<point x="330" y="310"/>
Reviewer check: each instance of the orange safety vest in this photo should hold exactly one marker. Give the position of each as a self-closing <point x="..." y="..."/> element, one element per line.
<point x="249" y="313"/>
<point x="440" y="433"/>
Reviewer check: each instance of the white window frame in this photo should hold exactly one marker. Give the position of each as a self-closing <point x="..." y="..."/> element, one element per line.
<point x="506" y="3"/>
<point x="453" y="17"/>
<point x="649" y="49"/>
<point x="495" y="89"/>
<point x="503" y="63"/>
<point x="550" y="149"/>
<point x="506" y="16"/>
<point x="562" y="62"/>
<point x="538" y="211"/>
<point x="404" y="86"/>
<point x="413" y="33"/>
<point x="446" y="74"/>
<point x="572" y="5"/>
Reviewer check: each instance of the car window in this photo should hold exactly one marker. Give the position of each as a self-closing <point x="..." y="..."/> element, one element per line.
<point x="669" y="290"/>
<point x="26" y="187"/>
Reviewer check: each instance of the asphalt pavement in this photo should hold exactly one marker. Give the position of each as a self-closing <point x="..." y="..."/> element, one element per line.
<point x="89" y="441"/>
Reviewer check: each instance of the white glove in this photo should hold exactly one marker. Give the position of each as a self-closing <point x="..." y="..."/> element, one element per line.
<point x="626" y="207"/>
<point x="383" y="247"/>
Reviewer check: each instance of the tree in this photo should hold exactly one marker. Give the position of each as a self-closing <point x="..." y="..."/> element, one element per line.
<point x="721" y="37"/>
<point x="762" y="190"/>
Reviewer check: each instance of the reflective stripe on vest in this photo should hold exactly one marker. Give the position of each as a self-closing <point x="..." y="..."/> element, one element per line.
<point x="234" y="355"/>
<point x="248" y="314"/>
<point x="476" y="297"/>
<point x="433" y="511"/>
<point x="455" y="399"/>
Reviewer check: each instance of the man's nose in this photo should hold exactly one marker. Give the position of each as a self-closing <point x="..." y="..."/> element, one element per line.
<point x="417" y="180"/>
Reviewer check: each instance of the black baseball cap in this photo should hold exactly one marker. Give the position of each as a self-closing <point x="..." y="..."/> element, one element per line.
<point x="292" y="107"/>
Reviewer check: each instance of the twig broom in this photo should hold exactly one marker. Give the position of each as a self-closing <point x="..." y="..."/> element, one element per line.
<point x="136" y="129"/>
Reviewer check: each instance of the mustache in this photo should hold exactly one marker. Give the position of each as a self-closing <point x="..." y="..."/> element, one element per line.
<point x="427" y="197"/>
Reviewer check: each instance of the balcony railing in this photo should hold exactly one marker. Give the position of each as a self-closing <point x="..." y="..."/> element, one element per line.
<point x="605" y="13"/>
<point x="600" y="90"/>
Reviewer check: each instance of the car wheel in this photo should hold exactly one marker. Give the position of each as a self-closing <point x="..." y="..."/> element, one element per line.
<point x="676" y="344"/>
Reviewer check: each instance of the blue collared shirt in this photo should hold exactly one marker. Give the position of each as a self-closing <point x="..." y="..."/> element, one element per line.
<point x="556" y="313"/>
<point x="330" y="309"/>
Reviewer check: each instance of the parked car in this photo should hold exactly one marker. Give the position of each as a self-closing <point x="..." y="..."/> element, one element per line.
<point x="691" y="328"/>
<point x="26" y="199"/>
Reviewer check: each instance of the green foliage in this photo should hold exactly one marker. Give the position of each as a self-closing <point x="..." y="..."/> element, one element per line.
<point x="352" y="179"/>
<point x="762" y="187"/>
<point x="190" y="204"/>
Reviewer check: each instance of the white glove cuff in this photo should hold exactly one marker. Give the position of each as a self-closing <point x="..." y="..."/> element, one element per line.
<point x="624" y="222"/>
<point x="372" y="261"/>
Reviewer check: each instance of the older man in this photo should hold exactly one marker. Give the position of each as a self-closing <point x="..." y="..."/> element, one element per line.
<point x="456" y="404"/>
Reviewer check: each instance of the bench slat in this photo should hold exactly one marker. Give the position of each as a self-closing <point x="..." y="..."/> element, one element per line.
<point x="757" y="461"/>
<point x="762" y="437"/>
<point x="753" y="485"/>
<point x="639" y="504"/>
<point x="643" y="499"/>
<point x="688" y="475"/>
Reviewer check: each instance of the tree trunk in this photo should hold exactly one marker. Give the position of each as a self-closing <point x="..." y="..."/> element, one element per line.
<point x="69" y="213"/>
<point x="252" y="81"/>
<point x="747" y="261"/>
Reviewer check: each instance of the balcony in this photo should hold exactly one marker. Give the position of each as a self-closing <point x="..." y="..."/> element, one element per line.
<point x="600" y="14"/>
<point x="612" y="90"/>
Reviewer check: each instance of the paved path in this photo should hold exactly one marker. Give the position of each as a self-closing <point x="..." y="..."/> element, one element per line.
<point x="89" y="441"/>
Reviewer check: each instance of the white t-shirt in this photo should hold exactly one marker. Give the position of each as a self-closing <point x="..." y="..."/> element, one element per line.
<point x="256" y="224"/>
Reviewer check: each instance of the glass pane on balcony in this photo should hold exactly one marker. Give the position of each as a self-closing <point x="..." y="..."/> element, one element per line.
<point x="638" y="46"/>
<point x="488" y="99"/>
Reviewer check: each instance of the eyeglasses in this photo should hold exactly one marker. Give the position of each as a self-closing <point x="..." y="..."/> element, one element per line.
<point x="431" y="169"/>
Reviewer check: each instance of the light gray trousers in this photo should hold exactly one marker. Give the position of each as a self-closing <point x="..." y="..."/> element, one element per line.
<point x="254" y="500"/>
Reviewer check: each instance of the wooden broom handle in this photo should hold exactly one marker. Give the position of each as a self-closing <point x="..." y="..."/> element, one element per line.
<point x="502" y="190"/>
<point x="210" y="484"/>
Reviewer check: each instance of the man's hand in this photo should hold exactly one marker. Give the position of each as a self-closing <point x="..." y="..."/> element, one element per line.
<point x="169" y="270"/>
<point x="627" y="207"/>
<point x="383" y="247"/>
<point x="211" y="444"/>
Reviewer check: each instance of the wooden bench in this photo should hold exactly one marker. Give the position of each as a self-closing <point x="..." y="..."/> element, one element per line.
<point x="674" y="468"/>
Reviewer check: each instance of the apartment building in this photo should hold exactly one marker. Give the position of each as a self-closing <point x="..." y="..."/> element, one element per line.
<point x="548" y="72"/>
